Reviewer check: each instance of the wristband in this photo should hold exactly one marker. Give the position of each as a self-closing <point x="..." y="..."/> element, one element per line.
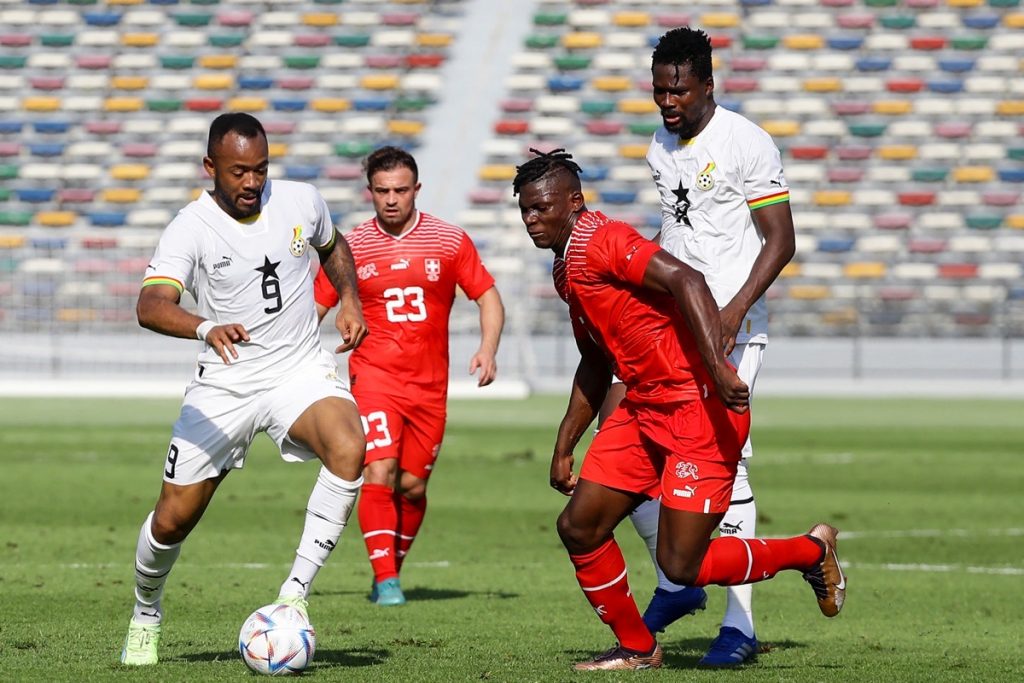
<point x="204" y="329"/>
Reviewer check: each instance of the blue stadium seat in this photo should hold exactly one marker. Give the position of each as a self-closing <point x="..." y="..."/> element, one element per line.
<point x="873" y="63"/>
<point x="102" y="18"/>
<point x="51" y="126"/>
<point x="8" y="127"/>
<point x="593" y="174"/>
<point x="845" y="42"/>
<point x="46" y="149"/>
<point x="301" y="172"/>
<point x="35" y="195"/>
<point x="982" y="22"/>
<point x="1011" y="175"/>
<point x="565" y="83"/>
<point x="49" y="243"/>
<point x="731" y="105"/>
<point x="945" y="86"/>
<point x="618" y="196"/>
<point x="255" y="82"/>
<point x="371" y="103"/>
<point x="107" y="219"/>
<point x="956" y="65"/>
<point x="288" y="104"/>
<point x="836" y="245"/>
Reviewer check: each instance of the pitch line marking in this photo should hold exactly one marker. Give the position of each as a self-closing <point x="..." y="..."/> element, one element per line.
<point x="937" y="568"/>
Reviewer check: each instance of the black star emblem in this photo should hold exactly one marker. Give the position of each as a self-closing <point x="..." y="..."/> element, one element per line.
<point x="268" y="269"/>
<point x="682" y="204"/>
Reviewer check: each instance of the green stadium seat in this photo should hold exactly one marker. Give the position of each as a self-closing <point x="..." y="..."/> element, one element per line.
<point x="933" y="174"/>
<point x="353" y="150"/>
<point x="645" y="129"/>
<point x="17" y="218"/>
<point x="227" y="39"/>
<point x="984" y="221"/>
<point x="8" y="171"/>
<point x="760" y="42"/>
<point x="541" y="41"/>
<point x="572" y="62"/>
<point x="57" y="39"/>
<point x="352" y="40"/>
<point x="193" y="18"/>
<point x="598" y="107"/>
<point x="969" y="42"/>
<point x="165" y="104"/>
<point x="897" y="22"/>
<point x="301" y="61"/>
<point x="177" y="61"/>
<point x="549" y="18"/>
<point x="409" y="103"/>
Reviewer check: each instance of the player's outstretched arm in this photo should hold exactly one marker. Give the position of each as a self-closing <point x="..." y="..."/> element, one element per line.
<point x="492" y="320"/>
<point x="340" y="268"/>
<point x="159" y="309"/>
<point x="589" y="387"/>
<point x="776" y="225"/>
<point x="665" y="273"/>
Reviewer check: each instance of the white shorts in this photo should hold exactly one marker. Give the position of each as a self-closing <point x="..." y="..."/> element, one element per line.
<point x="216" y="427"/>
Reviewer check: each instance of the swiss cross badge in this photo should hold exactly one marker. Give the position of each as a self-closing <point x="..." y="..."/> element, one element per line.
<point x="433" y="268"/>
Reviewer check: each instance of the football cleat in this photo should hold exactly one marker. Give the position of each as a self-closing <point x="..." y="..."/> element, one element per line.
<point x="827" y="579"/>
<point x="140" y="645"/>
<point x="621" y="659"/>
<point x="387" y="593"/>
<point x="732" y="647"/>
<point x="296" y="601"/>
<point x="666" y="607"/>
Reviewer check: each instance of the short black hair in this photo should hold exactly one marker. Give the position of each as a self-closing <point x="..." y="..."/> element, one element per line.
<point x="557" y="160"/>
<point x="388" y="159"/>
<point x="246" y="125"/>
<point x="685" y="46"/>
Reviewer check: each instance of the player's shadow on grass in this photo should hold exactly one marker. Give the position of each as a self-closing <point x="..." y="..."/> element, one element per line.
<point x="684" y="653"/>
<point x="427" y="594"/>
<point x="326" y="658"/>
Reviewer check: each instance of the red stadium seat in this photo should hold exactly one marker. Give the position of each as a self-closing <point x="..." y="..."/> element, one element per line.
<point x="740" y="84"/>
<point x="93" y="61"/>
<point x="916" y="198"/>
<point x="672" y="20"/>
<point x="742" y="63"/>
<point x="851" y="107"/>
<point x="1000" y="198"/>
<point x="312" y="40"/>
<point x="856" y="20"/>
<point x="426" y="60"/>
<point x="103" y="127"/>
<point x="721" y="42"/>
<point x="956" y="129"/>
<point x="928" y="43"/>
<point x="603" y="127"/>
<point x="905" y="85"/>
<point x="893" y="221"/>
<point x="845" y="175"/>
<point x="383" y="61"/>
<point x="926" y="245"/>
<point x="73" y="195"/>
<point x="894" y="293"/>
<point x="279" y="127"/>
<point x="808" y="152"/>
<point x="46" y="83"/>
<point x="853" y="152"/>
<point x="517" y="105"/>
<point x="511" y="127"/>
<point x="204" y="104"/>
<point x="296" y="83"/>
<point x="343" y="171"/>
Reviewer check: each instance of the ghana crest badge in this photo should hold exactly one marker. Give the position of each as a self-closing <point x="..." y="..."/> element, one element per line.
<point x="705" y="181"/>
<point x="298" y="243"/>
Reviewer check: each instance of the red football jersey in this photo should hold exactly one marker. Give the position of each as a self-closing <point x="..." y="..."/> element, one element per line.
<point x="641" y="331"/>
<point x="407" y="287"/>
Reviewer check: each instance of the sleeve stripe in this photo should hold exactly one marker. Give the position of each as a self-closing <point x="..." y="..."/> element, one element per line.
<point x="776" y="198"/>
<point x="330" y="242"/>
<point x="163" y="280"/>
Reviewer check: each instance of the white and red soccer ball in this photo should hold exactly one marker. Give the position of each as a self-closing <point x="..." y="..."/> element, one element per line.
<point x="277" y="640"/>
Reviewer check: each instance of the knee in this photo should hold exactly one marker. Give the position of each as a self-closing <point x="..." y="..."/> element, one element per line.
<point x="344" y="456"/>
<point x="680" y="570"/>
<point x="413" y="487"/>
<point x="576" y="538"/>
<point x="168" y="528"/>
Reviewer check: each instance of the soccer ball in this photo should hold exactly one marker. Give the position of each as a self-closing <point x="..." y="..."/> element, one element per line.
<point x="277" y="640"/>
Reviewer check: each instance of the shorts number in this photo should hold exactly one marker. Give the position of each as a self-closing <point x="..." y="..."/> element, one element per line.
<point x="272" y="292"/>
<point x="379" y="420"/>
<point x="411" y="297"/>
<point x="172" y="460"/>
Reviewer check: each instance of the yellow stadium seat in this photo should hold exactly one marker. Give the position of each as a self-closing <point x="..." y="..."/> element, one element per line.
<point x="892" y="107"/>
<point x="330" y="104"/>
<point x="781" y="129"/>
<point x="842" y="316"/>
<point x="214" y="82"/>
<point x="379" y="82"/>
<point x="823" y="85"/>
<point x="123" y="104"/>
<point x="1010" y="107"/>
<point x="498" y="172"/>
<point x="974" y="174"/>
<point x="865" y="270"/>
<point x="404" y="127"/>
<point x="633" y="151"/>
<point x="808" y="292"/>
<point x="41" y="103"/>
<point x="129" y="172"/>
<point x="277" y="149"/>
<point x="1016" y="221"/>
<point x="638" y="106"/>
<point x="11" y="241"/>
<point x="218" y="61"/>
<point x="320" y="19"/>
<point x="129" y="82"/>
<point x="791" y="269"/>
<point x="631" y="19"/>
<point x="804" y="41"/>
<point x="121" y="195"/>
<point x="196" y="193"/>
<point x="716" y="63"/>
<point x="965" y="3"/>
<point x="720" y="20"/>
<point x="832" y="198"/>
<point x="434" y="39"/>
<point x="897" y="152"/>
<point x="247" y="104"/>
<point x="611" y="83"/>
<point x="1014" y="20"/>
<point x="590" y="195"/>
<point x="56" y="219"/>
<point x="140" y="39"/>
<point x="581" y="40"/>
<point x="76" y="315"/>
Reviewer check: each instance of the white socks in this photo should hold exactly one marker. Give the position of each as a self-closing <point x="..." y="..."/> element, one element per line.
<point x="327" y="512"/>
<point x="645" y="519"/>
<point x="740" y="521"/>
<point x="153" y="563"/>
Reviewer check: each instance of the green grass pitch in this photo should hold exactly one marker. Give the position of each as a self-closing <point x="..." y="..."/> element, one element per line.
<point x="928" y="491"/>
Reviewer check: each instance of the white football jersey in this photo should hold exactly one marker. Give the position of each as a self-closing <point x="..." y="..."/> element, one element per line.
<point x="709" y="185"/>
<point x="256" y="274"/>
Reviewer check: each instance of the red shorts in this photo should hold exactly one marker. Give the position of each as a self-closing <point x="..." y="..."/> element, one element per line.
<point x="686" y="453"/>
<point x="408" y="431"/>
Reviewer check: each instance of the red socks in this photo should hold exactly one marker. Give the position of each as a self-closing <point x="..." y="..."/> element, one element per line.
<point x="732" y="561"/>
<point x="602" y="576"/>
<point x="410" y="517"/>
<point x="378" y="518"/>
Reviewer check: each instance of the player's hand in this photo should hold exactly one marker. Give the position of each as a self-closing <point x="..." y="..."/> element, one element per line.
<point x="223" y="339"/>
<point x="732" y="318"/>
<point x="562" y="477"/>
<point x="351" y="325"/>
<point x="732" y="390"/>
<point x="487" y="365"/>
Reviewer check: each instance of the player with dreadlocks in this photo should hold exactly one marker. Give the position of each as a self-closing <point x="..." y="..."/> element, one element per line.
<point x="638" y="312"/>
<point x="725" y="212"/>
